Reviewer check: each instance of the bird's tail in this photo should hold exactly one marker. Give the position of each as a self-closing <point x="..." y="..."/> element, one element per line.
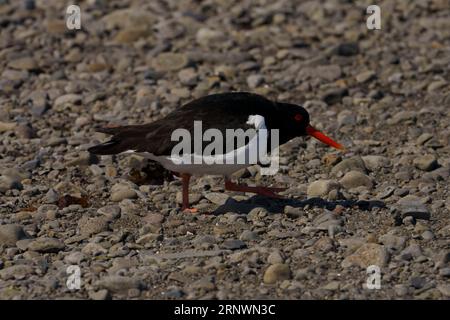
<point x="114" y="146"/>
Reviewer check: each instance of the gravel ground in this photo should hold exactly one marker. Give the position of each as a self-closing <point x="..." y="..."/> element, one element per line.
<point x="385" y="94"/>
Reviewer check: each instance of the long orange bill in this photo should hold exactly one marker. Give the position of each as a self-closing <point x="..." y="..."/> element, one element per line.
<point x="321" y="137"/>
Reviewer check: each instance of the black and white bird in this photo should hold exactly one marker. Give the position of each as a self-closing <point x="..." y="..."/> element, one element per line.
<point x="220" y="112"/>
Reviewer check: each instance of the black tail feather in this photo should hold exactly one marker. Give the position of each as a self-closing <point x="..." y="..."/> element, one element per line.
<point x="107" y="148"/>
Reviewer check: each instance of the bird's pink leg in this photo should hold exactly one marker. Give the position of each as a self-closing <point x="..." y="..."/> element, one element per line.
<point x="264" y="191"/>
<point x="185" y="206"/>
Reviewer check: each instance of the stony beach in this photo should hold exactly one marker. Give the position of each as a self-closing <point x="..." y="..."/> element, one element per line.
<point x="384" y="94"/>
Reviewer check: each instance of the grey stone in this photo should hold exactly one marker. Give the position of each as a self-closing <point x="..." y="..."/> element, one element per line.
<point x="321" y="188"/>
<point x="248" y="235"/>
<point x="354" y="179"/>
<point x="11" y="233"/>
<point x="426" y="163"/>
<point x="412" y="206"/>
<point x="119" y="283"/>
<point x="46" y="245"/>
<point x="351" y="164"/>
<point x="18" y="272"/>
<point x="233" y="244"/>
<point x="277" y="272"/>
<point x="255" y="80"/>
<point x="366" y="255"/>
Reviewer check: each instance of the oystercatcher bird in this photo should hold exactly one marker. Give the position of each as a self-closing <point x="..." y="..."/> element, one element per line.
<point x="237" y="111"/>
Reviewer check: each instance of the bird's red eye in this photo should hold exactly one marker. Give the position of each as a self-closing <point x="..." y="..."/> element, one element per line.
<point x="298" y="117"/>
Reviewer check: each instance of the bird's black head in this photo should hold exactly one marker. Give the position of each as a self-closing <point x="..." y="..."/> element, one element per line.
<point x="294" y="121"/>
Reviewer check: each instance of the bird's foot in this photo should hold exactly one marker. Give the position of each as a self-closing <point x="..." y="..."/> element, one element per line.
<point x="270" y="192"/>
<point x="189" y="210"/>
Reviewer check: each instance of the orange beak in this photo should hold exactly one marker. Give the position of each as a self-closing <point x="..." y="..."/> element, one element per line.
<point x="321" y="137"/>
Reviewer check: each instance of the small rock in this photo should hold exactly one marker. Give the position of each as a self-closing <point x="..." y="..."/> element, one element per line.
<point x="120" y="192"/>
<point x="11" y="233"/>
<point x="444" y="289"/>
<point x="426" y="163"/>
<point x="102" y="294"/>
<point x="275" y="257"/>
<point x="321" y="188"/>
<point x="206" y="36"/>
<point x="427" y="235"/>
<point x="7" y="126"/>
<point x="334" y="95"/>
<point x="248" y="235"/>
<point x="89" y="226"/>
<point x="217" y="197"/>
<point x="366" y="255"/>
<point x="293" y="212"/>
<point x="188" y="76"/>
<point x="111" y="212"/>
<point x="374" y="163"/>
<point x="277" y="272"/>
<point x="347" y="49"/>
<point x="351" y="164"/>
<point x="170" y="61"/>
<point x="70" y="98"/>
<point x="51" y="196"/>
<point x="354" y="179"/>
<point x="46" y="245"/>
<point x="413" y="207"/>
<point x="365" y="76"/>
<point x="233" y="244"/>
<point x="18" y="272"/>
<point x="25" y="63"/>
<point x="346" y="118"/>
<point x="119" y="283"/>
<point x="393" y="242"/>
<point x="255" y="80"/>
<point x="93" y="249"/>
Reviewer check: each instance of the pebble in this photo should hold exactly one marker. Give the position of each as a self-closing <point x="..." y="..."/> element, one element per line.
<point x="393" y="242"/>
<point x="94" y="225"/>
<point x="444" y="289"/>
<point x="346" y="117"/>
<point x="366" y="255"/>
<point x="248" y="235"/>
<point x="277" y="272"/>
<point x="350" y="164"/>
<point x="365" y="76"/>
<point x="169" y="61"/>
<point x="413" y="207"/>
<point x="233" y="244"/>
<point x="67" y="99"/>
<point x="111" y="211"/>
<point x="17" y="272"/>
<point x="120" y="192"/>
<point x="25" y="63"/>
<point x="347" y="49"/>
<point x="11" y="233"/>
<point x="255" y="80"/>
<point x="217" y="197"/>
<point x="75" y="258"/>
<point x="188" y="76"/>
<point x="275" y="257"/>
<point x="354" y="179"/>
<point x="206" y="36"/>
<point x="374" y="163"/>
<point x="101" y="294"/>
<point x="119" y="283"/>
<point x="321" y="188"/>
<point x="426" y="163"/>
<point x="46" y="245"/>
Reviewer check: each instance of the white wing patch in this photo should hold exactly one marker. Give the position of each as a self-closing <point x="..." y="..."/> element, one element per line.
<point x="257" y="121"/>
